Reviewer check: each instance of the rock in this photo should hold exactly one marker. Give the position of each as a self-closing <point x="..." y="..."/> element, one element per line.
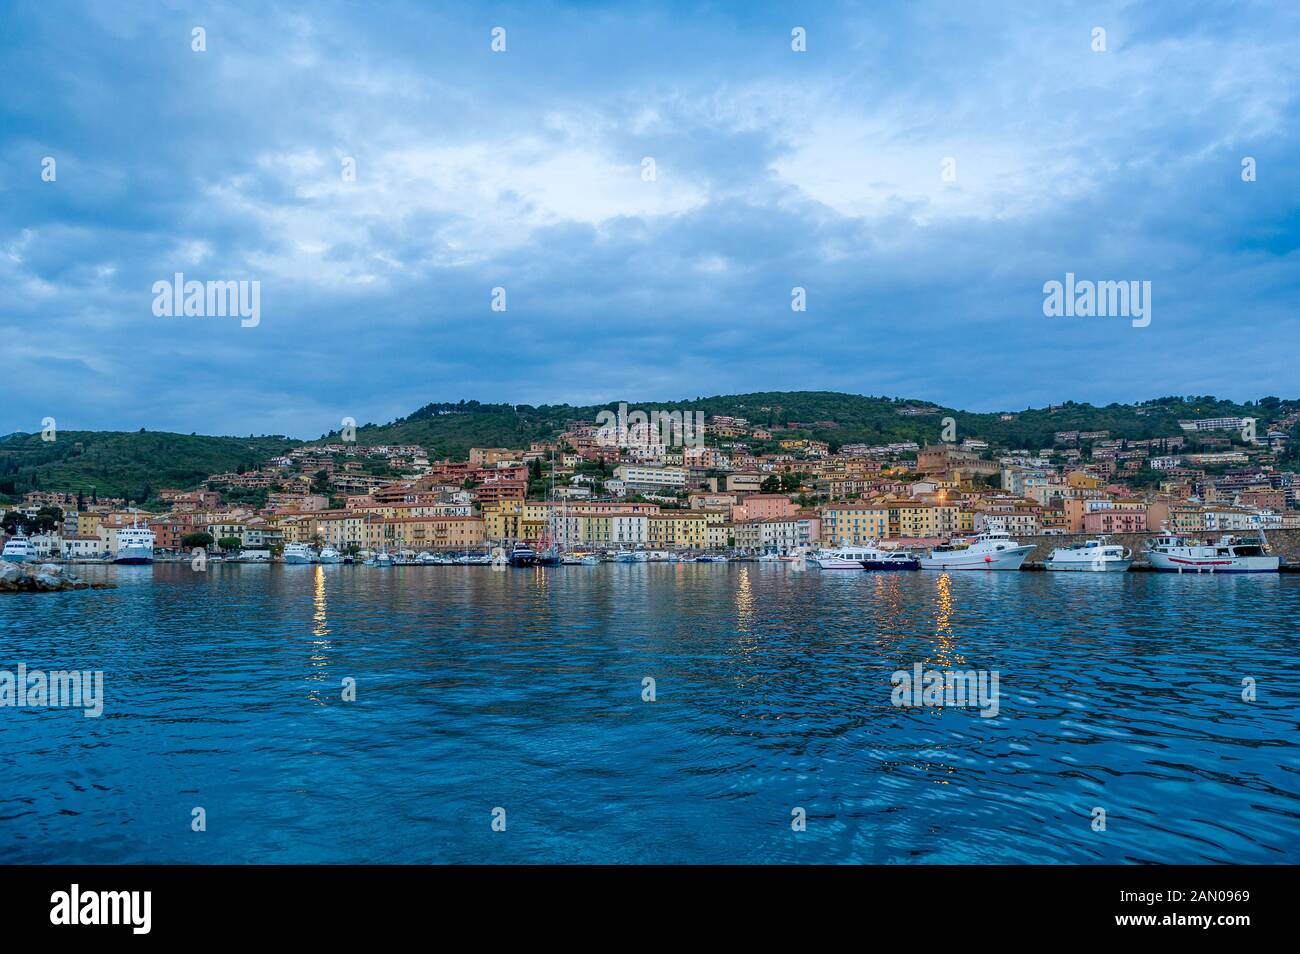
<point x="46" y="578"/>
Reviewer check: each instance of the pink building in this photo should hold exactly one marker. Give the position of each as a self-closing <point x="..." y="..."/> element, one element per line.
<point x="1115" y="521"/>
<point x="763" y="507"/>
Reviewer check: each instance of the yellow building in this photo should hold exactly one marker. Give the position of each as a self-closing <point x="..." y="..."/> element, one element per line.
<point x="682" y="529"/>
<point x="853" y="524"/>
<point x="425" y="533"/>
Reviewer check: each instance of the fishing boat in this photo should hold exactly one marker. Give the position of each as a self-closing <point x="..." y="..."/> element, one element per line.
<point x="1094" y="556"/>
<point x="380" y="558"/>
<point x="330" y="555"/>
<point x="990" y="550"/>
<point x="1175" y="553"/>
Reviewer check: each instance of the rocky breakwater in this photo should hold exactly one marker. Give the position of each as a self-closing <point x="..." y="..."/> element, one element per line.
<point x="42" y="578"/>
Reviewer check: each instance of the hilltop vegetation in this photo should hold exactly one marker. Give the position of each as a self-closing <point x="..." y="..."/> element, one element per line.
<point x="126" y="464"/>
<point x="136" y="464"/>
<point x="451" y="429"/>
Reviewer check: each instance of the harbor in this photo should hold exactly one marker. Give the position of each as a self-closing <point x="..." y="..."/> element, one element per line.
<point x="524" y="689"/>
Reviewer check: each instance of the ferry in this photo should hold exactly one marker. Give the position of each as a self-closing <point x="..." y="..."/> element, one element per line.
<point x="134" y="545"/>
<point x="991" y="550"/>
<point x="865" y="558"/>
<point x="19" y="549"/>
<point x="1094" y="556"/>
<point x="1173" y="553"/>
<point x="299" y="553"/>
<point x="330" y="555"/>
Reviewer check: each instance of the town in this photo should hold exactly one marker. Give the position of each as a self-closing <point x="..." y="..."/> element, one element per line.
<point x="637" y="489"/>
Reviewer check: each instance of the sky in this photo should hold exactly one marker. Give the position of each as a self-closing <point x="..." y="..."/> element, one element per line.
<point x="920" y="169"/>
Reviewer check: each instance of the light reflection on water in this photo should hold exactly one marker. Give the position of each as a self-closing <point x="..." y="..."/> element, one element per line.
<point x="522" y="688"/>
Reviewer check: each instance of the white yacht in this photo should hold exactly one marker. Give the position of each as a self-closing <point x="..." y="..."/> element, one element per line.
<point x="991" y="550"/>
<point x="299" y="553"/>
<point x="631" y="556"/>
<point x="19" y="549"/>
<point x="865" y="558"/>
<point x="134" y="545"/>
<point x="1094" y="556"/>
<point x="1174" y="553"/>
<point x="330" y="555"/>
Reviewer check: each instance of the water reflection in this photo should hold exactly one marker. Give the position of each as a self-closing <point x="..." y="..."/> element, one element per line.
<point x="946" y="652"/>
<point x="744" y="601"/>
<point x="319" y="657"/>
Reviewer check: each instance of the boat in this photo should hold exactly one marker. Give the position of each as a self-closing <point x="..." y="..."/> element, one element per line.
<point x="1174" y="553"/>
<point x="580" y="559"/>
<point x="329" y="555"/>
<point x="19" y="549"/>
<point x="134" y="545"/>
<point x="769" y="558"/>
<point x="1094" y="556"/>
<point x="866" y="558"/>
<point x="404" y="558"/>
<point x="550" y="556"/>
<point x="990" y="550"/>
<point x="630" y="556"/>
<point x="523" y="555"/>
<point x="253" y="556"/>
<point x="298" y="553"/>
<point x="707" y="558"/>
<point x="590" y="560"/>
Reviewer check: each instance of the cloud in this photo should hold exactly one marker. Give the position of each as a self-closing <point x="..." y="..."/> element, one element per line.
<point x="524" y="170"/>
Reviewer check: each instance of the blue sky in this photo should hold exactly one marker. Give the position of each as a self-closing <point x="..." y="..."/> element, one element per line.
<point x="523" y="170"/>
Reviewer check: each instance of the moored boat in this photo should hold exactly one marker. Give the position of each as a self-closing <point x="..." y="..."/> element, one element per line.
<point x="19" y="549"/>
<point x="329" y="555"/>
<point x="297" y="554"/>
<point x="134" y="545"/>
<point x="991" y="550"/>
<point x="1094" y="556"/>
<point x="1174" y="553"/>
<point x="865" y="558"/>
<point x="523" y="555"/>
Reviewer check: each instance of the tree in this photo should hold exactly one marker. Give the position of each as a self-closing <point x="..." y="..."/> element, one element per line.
<point x="770" y="485"/>
<point x="229" y="543"/>
<point x="198" y="539"/>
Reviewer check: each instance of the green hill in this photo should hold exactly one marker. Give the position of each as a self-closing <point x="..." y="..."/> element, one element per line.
<point x="125" y="464"/>
<point x="451" y="429"/>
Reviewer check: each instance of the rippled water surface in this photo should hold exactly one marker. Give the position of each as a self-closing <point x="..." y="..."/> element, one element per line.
<point x="523" y="690"/>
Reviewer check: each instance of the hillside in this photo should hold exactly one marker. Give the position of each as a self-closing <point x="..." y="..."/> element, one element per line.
<point x="451" y="429"/>
<point x="126" y="464"/>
